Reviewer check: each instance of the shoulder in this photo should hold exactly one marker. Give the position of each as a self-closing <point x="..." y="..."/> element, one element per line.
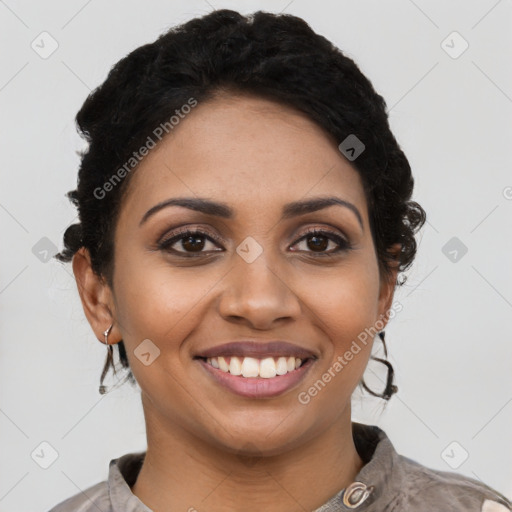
<point x="427" y="489"/>
<point x="111" y="494"/>
<point x="92" y="499"/>
<point x="396" y="483"/>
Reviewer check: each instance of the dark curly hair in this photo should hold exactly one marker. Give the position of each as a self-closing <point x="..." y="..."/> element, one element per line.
<point x="274" y="56"/>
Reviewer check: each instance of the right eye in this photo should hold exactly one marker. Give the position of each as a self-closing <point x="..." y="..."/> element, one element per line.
<point x="192" y="241"/>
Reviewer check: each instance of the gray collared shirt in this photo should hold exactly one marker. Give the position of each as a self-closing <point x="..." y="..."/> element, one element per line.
<point x="388" y="482"/>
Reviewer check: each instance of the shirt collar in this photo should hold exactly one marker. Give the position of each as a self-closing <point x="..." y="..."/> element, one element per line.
<point x="379" y="477"/>
<point x="122" y="474"/>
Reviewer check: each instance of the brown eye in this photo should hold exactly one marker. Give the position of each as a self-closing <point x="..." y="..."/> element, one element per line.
<point x="317" y="241"/>
<point x="188" y="241"/>
<point x="193" y="243"/>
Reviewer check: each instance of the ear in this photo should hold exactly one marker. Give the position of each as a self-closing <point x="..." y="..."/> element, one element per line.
<point x="388" y="283"/>
<point x="96" y="297"/>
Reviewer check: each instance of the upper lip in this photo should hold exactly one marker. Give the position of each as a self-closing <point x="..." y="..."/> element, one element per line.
<point x="257" y="349"/>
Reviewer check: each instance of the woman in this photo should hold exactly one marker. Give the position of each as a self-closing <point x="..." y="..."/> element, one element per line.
<point x="245" y="215"/>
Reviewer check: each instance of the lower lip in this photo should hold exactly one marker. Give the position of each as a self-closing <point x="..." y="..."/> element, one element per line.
<point x="257" y="387"/>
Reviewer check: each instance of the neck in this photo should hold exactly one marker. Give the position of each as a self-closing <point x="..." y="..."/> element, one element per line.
<point x="183" y="472"/>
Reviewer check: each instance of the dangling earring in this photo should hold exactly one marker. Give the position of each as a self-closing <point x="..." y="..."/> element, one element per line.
<point x="106" y="333"/>
<point x="102" y="388"/>
<point x="390" y="388"/>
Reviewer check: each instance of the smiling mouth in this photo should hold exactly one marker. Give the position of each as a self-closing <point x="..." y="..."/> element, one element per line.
<point x="251" y="367"/>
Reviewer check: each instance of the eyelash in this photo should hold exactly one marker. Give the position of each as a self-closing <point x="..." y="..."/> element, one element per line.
<point x="165" y="244"/>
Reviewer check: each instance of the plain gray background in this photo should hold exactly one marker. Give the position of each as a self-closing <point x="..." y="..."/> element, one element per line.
<point x="450" y="346"/>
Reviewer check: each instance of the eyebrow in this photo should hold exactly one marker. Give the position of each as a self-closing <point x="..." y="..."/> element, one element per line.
<point x="217" y="209"/>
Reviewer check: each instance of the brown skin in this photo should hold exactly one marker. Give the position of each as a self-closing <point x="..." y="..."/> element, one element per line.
<point x="256" y="156"/>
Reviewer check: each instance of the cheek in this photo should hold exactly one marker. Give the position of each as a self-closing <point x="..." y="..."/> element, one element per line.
<point x="152" y="359"/>
<point x="156" y="303"/>
<point x="344" y="305"/>
<point x="152" y="296"/>
<point x="346" y="302"/>
<point x="342" y="310"/>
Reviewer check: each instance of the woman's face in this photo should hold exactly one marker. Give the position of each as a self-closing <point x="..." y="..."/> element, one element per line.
<point x="250" y="276"/>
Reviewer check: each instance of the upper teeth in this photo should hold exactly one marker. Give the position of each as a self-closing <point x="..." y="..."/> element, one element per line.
<point x="252" y="367"/>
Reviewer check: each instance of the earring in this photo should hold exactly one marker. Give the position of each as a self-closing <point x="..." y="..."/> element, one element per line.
<point x="102" y="388"/>
<point x="106" y="333"/>
<point x="390" y="388"/>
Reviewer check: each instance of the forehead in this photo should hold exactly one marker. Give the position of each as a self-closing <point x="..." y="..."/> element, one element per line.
<point x="247" y="151"/>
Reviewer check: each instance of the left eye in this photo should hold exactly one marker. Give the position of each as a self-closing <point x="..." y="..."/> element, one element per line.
<point x="319" y="241"/>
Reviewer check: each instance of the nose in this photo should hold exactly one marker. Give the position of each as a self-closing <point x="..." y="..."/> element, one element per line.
<point x="258" y="293"/>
